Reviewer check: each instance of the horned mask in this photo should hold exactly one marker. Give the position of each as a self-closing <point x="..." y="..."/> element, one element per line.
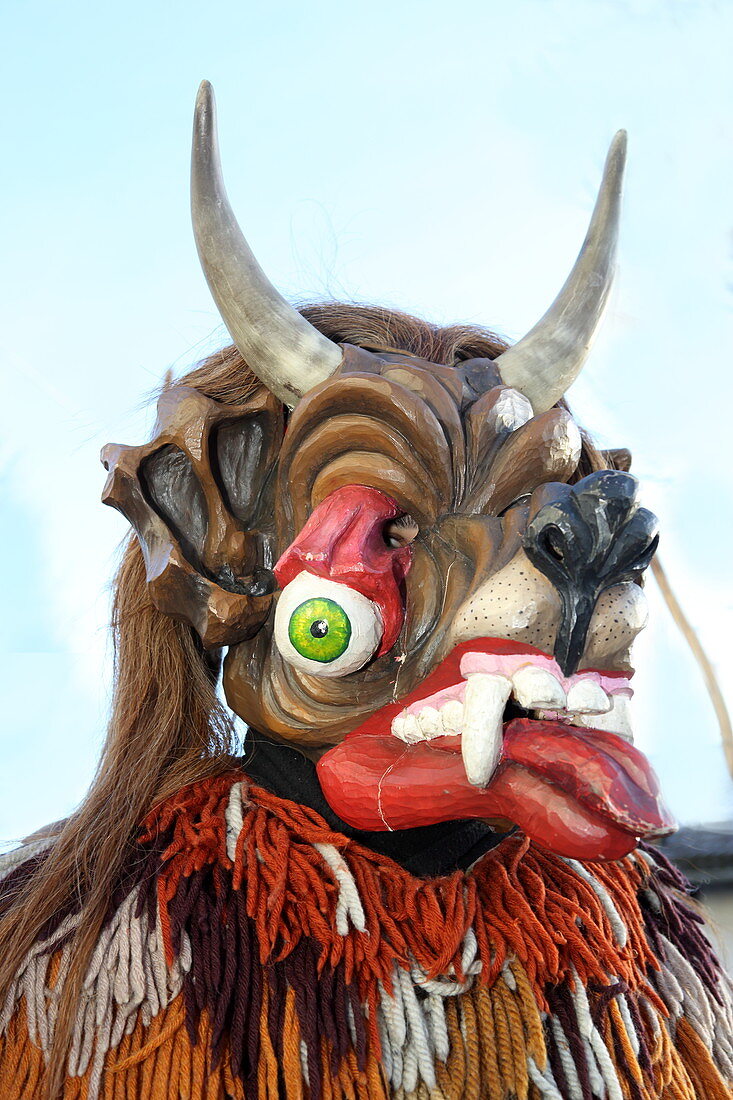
<point x="415" y="579"/>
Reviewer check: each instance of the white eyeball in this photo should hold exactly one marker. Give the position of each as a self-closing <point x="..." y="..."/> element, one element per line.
<point x="325" y="628"/>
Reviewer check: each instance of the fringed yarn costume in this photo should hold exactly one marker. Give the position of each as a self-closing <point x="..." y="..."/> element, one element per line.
<point x="256" y="953"/>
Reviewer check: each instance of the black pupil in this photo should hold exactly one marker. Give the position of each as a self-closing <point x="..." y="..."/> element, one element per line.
<point x="319" y="629"/>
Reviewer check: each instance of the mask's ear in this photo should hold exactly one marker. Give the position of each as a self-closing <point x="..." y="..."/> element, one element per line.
<point x="199" y="497"/>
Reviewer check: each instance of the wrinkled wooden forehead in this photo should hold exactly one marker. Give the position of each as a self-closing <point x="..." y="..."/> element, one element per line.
<point x="436" y="439"/>
<point x="393" y="425"/>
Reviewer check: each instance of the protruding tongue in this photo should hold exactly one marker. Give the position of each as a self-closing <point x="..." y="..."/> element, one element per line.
<point x="585" y="794"/>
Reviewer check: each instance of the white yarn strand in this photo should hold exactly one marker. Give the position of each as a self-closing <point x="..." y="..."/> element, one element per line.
<point x="348" y="906"/>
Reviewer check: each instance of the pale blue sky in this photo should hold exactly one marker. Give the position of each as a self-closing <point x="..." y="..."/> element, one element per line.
<point x="438" y="157"/>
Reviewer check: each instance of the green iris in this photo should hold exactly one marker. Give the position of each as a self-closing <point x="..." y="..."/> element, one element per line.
<point x="320" y="629"/>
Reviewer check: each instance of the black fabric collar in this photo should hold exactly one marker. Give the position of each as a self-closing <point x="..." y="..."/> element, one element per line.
<point x="426" y="852"/>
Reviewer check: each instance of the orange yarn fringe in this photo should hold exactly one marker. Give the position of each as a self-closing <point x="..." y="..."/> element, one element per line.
<point x="521" y="902"/>
<point x="545" y="954"/>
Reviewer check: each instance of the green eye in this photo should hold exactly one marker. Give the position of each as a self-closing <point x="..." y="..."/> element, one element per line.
<point x="320" y="630"/>
<point x="324" y="627"/>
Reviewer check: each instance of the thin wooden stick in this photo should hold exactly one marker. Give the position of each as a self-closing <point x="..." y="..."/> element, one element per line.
<point x="706" y="666"/>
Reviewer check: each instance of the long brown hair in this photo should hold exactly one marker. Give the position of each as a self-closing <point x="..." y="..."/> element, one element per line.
<point x="167" y="728"/>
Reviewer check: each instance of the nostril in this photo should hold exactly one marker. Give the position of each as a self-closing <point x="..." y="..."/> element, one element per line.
<point x="553" y="543"/>
<point x="644" y="557"/>
<point x="652" y="548"/>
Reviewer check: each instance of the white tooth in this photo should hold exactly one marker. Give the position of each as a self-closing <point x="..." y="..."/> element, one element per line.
<point x="616" y="720"/>
<point x="587" y="697"/>
<point x="536" y="688"/>
<point x="429" y="722"/>
<point x="483" y="710"/>
<point x="398" y="726"/>
<point x="406" y="728"/>
<point x="452" y="716"/>
<point x="412" y="730"/>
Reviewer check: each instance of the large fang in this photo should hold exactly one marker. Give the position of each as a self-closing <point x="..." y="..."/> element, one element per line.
<point x="483" y="710"/>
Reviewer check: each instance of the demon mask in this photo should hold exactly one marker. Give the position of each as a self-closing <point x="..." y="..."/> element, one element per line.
<point x="414" y="582"/>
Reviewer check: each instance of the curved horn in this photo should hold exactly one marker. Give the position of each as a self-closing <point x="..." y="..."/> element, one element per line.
<point x="545" y="362"/>
<point x="286" y="352"/>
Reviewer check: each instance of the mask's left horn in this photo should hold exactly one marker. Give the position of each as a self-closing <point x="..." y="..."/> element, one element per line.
<point x="286" y="353"/>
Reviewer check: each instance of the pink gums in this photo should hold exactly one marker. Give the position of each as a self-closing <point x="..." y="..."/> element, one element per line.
<point x="500" y="657"/>
<point x="506" y="664"/>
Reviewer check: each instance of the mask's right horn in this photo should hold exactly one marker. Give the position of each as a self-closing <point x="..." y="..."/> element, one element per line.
<point x="545" y="362"/>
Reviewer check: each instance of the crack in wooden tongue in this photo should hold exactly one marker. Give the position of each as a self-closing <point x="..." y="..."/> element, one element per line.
<point x="378" y="784"/>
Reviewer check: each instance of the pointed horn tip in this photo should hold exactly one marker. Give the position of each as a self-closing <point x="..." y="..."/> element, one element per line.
<point x="618" y="148"/>
<point x="204" y="120"/>
<point x="205" y="101"/>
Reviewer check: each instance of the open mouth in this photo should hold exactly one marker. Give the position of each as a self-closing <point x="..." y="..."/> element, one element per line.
<point x="497" y="732"/>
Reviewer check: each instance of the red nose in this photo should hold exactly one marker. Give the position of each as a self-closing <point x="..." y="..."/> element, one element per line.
<point x="343" y="540"/>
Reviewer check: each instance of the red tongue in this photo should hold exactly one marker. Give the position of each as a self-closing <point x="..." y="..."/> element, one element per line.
<point x="582" y="794"/>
